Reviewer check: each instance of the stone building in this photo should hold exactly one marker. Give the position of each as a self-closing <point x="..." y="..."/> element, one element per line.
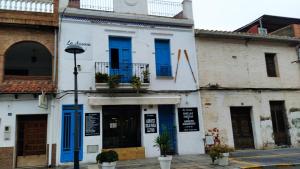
<point x="250" y="86"/>
<point x="28" y="58"/>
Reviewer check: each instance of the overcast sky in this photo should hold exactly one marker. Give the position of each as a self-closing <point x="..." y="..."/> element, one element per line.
<point x="232" y="14"/>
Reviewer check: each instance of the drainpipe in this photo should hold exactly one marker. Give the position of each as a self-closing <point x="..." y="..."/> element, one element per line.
<point x="298" y="51"/>
<point x="187" y="6"/>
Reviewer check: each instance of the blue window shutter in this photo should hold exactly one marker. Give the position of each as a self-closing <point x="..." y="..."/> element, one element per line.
<point x="163" y="58"/>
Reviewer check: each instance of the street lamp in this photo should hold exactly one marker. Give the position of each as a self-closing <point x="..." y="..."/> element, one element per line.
<point x="75" y="49"/>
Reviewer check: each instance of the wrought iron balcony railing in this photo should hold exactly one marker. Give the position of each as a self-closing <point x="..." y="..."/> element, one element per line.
<point x="44" y="6"/>
<point x="166" y="8"/>
<point x="125" y="71"/>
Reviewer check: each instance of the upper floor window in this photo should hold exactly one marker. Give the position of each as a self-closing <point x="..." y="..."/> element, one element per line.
<point x="28" y="59"/>
<point x="163" y="58"/>
<point x="271" y="65"/>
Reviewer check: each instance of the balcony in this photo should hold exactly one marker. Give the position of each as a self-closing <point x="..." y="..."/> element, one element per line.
<point x="165" y="8"/>
<point x="44" y="6"/>
<point x="29" y="12"/>
<point x="122" y="76"/>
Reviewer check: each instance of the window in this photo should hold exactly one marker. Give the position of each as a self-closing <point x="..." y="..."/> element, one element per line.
<point x="163" y="58"/>
<point x="271" y="64"/>
<point x="114" y="58"/>
<point x="28" y="59"/>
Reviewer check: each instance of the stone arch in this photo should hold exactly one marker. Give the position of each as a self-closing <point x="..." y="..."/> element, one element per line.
<point x="28" y="58"/>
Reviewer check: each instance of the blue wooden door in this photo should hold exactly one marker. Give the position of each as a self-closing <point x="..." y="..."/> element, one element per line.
<point x="163" y="57"/>
<point x="166" y="116"/>
<point x="120" y="58"/>
<point x="67" y="136"/>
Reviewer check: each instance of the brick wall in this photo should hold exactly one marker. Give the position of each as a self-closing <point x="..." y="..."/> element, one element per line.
<point x="6" y="157"/>
<point x="13" y="34"/>
<point x="297" y="30"/>
<point x="30" y="18"/>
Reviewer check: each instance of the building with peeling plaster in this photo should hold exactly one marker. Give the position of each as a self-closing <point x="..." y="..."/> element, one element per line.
<point x="250" y="88"/>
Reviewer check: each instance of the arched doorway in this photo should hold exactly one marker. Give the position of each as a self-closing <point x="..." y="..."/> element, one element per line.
<point x="28" y="58"/>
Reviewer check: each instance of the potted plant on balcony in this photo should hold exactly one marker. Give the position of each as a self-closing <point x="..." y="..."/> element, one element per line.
<point x="113" y="81"/>
<point x="146" y="76"/>
<point x="101" y="77"/>
<point x="136" y="83"/>
<point x="107" y="159"/>
<point x="163" y="143"/>
<point x="220" y="153"/>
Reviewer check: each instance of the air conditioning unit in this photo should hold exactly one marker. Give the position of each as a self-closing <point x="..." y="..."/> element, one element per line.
<point x="262" y="31"/>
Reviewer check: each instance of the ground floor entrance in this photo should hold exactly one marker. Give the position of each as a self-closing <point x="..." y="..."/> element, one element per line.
<point x="242" y="127"/>
<point x="121" y="126"/>
<point x="31" y="140"/>
<point x="166" y="116"/>
<point x="279" y="122"/>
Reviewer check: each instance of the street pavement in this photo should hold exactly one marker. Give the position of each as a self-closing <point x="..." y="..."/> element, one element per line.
<point x="247" y="159"/>
<point x="280" y="157"/>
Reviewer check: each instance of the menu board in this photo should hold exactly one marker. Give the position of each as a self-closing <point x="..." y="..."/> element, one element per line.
<point x="150" y="123"/>
<point x="92" y="124"/>
<point x="188" y="119"/>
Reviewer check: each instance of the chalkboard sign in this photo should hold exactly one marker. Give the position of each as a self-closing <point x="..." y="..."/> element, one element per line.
<point x="188" y="119"/>
<point x="92" y="124"/>
<point x="150" y="123"/>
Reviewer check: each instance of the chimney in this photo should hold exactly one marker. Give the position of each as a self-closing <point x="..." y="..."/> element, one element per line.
<point x="131" y="6"/>
<point x="188" y="9"/>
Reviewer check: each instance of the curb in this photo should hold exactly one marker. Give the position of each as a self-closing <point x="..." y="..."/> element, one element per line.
<point x="279" y="166"/>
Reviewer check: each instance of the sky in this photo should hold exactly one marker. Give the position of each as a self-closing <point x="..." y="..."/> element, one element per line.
<point x="229" y="15"/>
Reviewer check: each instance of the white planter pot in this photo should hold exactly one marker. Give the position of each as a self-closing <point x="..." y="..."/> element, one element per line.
<point x="105" y="165"/>
<point x="224" y="161"/>
<point x="165" y="162"/>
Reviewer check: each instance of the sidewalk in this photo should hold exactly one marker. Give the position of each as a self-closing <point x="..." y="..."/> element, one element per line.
<point x="178" y="162"/>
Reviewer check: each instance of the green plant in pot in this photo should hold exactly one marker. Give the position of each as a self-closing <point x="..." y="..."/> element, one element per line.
<point x="163" y="143"/>
<point x="221" y="153"/>
<point x="101" y="77"/>
<point x="113" y="81"/>
<point x="136" y="83"/>
<point x="146" y="76"/>
<point x="107" y="159"/>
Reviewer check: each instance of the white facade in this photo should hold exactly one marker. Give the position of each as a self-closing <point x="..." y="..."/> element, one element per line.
<point x="233" y="73"/>
<point x="93" y="34"/>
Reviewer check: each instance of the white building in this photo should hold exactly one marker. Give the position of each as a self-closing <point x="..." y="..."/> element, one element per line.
<point x="140" y="40"/>
<point x="250" y="86"/>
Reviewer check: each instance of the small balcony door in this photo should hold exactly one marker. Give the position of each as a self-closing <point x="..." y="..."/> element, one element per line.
<point x="120" y="58"/>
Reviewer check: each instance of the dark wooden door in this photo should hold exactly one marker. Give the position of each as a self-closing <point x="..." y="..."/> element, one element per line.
<point x="32" y="135"/>
<point x="279" y="122"/>
<point x="242" y="127"/>
<point x="121" y="126"/>
<point x="31" y="141"/>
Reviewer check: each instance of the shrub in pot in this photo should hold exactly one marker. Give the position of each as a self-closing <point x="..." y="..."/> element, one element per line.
<point x="146" y="76"/>
<point x="107" y="159"/>
<point x="113" y="81"/>
<point x="136" y="83"/>
<point x="163" y="143"/>
<point x="101" y="77"/>
<point x="221" y="153"/>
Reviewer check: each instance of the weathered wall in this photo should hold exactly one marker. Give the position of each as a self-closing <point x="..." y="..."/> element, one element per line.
<point x="216" y="113"/>
<point x="241" y="64"/>
<point x="237" y="66"/>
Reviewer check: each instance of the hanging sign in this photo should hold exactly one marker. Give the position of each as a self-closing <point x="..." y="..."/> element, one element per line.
<point x="92" y="124"/>
<point x="150" y="123"/>
<point x="188" y="119"/>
